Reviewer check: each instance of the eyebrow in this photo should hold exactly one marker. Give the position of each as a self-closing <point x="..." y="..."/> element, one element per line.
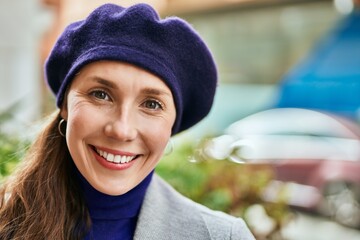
<point x="105" y="82"/>
<point x="147" y="90"/>
<point x="156" y="92"/>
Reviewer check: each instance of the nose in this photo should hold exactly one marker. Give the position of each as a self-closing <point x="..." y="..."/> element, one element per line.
<point x="121" y="127"/>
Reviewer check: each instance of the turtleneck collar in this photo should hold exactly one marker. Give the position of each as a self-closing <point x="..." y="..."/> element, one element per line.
<point x="106" y="207"/>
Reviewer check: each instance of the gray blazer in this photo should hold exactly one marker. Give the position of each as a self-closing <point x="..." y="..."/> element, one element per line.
<point x="167" y="215"/>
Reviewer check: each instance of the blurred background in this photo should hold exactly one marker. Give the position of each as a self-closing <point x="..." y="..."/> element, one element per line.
<point x="289" y="72"/>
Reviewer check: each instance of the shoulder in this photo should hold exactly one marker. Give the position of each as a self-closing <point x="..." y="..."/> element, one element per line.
<point x="168" y="206"/>
<point x="218" y="222"/>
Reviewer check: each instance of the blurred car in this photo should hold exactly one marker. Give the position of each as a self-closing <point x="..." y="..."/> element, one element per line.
<point x="315" y="157"/>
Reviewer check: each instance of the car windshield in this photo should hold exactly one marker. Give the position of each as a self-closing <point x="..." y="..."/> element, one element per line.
<point x="284" y="134"/>
<point x="289" y="121"/>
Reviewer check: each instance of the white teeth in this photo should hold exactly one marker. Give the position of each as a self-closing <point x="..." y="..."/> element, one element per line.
<point x="110" y="157"/>
<point x="114" y="158"/>
<point x="117" y="159"/>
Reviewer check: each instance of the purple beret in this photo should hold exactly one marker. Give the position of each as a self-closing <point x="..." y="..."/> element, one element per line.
<point x="169" y="48"/>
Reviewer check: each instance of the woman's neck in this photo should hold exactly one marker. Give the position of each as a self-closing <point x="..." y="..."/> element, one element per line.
<point x="103" y="206"/>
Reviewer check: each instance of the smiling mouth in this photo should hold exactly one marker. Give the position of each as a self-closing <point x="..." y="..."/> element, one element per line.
<point x="113" y="158"/>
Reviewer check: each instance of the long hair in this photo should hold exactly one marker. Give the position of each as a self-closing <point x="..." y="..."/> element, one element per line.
<point x="42" y="199"/>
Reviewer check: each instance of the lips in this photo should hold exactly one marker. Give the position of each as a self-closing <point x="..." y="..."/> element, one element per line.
<point x="115" y="158"/>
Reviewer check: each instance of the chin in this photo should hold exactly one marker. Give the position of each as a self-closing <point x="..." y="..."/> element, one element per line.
<point x="114" y="191"/>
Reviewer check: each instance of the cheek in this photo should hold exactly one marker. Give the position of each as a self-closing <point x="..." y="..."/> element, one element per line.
<point x="158" y="136"/>
<point x="82" y="121"/>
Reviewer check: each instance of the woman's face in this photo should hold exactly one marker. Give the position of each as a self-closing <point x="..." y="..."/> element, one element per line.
<point x="119" y="120"/>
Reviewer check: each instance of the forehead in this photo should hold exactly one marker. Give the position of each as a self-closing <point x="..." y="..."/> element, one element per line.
<point x="119" y="72"/>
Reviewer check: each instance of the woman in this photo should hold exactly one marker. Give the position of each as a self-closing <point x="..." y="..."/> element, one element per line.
<point x="125" y="82"/>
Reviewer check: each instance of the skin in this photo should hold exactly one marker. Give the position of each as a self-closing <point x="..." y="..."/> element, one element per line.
<point x="122" y="110"/>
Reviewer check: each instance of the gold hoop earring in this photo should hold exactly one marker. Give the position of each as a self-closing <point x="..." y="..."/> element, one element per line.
<point x="169" y="148"/>
<point x="62" y="127"/>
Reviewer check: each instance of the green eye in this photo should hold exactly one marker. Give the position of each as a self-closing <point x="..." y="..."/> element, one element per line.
<point x="100" y="95"/>
<point x="153" y="105"/>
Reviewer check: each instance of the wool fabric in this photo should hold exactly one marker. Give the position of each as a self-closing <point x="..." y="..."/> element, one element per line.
<point x="170" y="48"/>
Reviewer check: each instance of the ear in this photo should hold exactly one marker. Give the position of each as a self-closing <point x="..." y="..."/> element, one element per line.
<point x="64" y="110"/>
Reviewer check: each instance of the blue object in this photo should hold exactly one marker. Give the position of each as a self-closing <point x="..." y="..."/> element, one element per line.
<point x="329" y="78"/>
<point x="113" y="217"/>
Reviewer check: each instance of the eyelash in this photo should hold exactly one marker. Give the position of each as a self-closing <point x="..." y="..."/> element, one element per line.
<point x="95" y="92"/>
<point x="160" y="105"/>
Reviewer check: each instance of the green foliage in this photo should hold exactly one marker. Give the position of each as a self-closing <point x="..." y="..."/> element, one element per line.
<point x="220" y="184"/>
<point x="10" y="154"/>
<point x="12" y="148"/>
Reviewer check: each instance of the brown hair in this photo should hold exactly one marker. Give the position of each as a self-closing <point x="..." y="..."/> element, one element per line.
<point x="42" y="199"/>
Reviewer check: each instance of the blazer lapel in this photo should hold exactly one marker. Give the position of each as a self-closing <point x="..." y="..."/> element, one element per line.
<point x="166" y="215"/>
